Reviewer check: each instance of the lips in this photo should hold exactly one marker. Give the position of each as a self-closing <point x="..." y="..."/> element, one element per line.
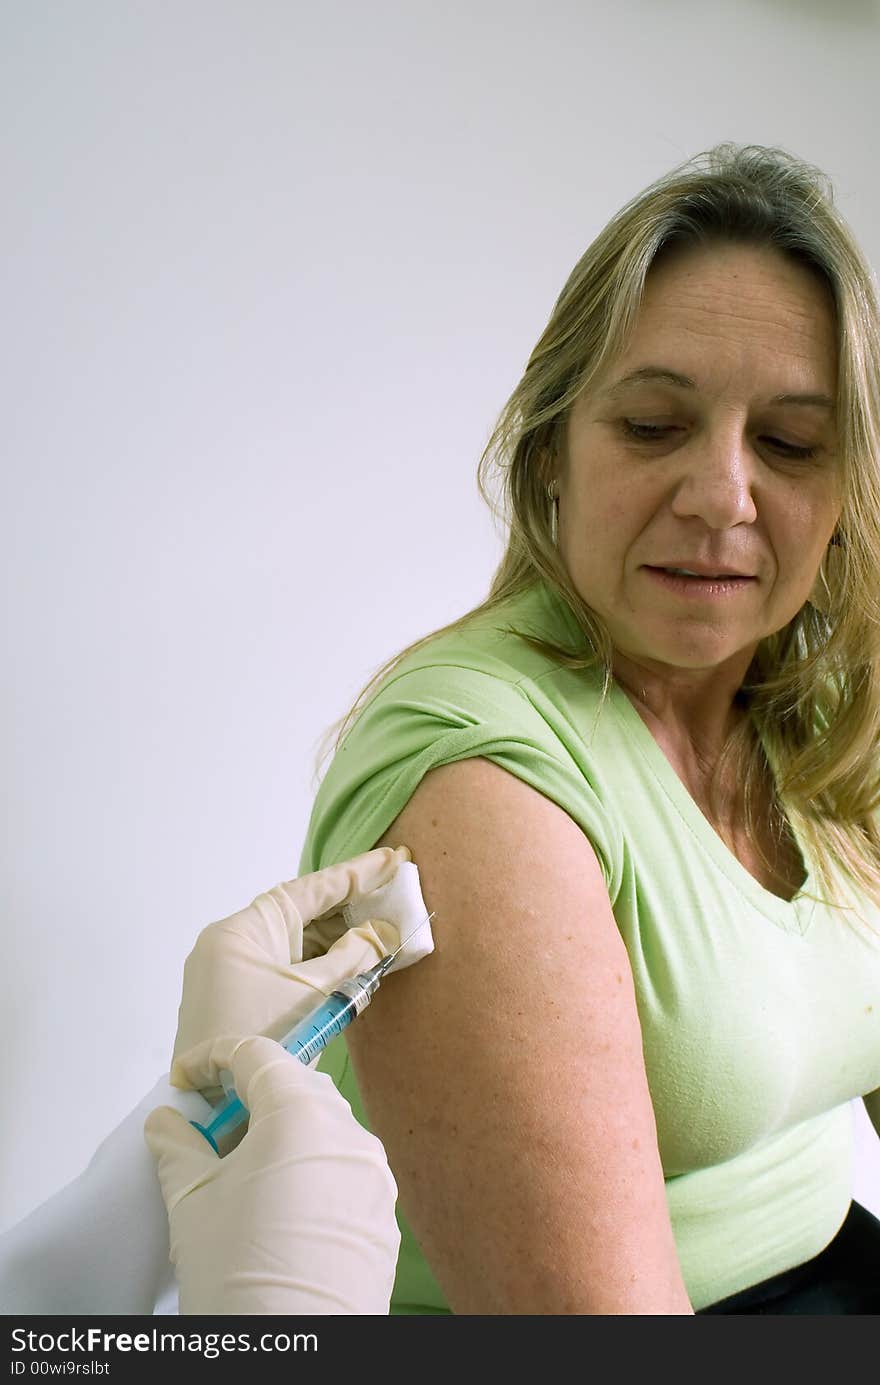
<point x="703" y="570"/>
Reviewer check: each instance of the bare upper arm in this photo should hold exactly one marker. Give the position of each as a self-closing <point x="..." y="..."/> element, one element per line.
<point x="505" y="1074"/>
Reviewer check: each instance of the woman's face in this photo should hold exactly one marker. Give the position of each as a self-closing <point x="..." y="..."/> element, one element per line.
<point x="708" y="445"/>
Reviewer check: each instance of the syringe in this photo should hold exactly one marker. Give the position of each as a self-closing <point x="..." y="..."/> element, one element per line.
<point x="310" y="1035"/>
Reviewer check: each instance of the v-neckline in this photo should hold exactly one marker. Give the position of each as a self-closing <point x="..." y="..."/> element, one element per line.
<point x="795" y="914"/>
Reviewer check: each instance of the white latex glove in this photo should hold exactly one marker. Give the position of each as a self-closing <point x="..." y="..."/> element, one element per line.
<point x="299" y="1218"/>
<point x="260" y="970"/>
<point x="100" y="1244"/>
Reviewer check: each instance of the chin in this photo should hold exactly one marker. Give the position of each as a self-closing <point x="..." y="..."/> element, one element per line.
<point x="696" y="654"/>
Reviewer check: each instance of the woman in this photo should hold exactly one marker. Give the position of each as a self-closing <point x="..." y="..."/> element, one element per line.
<point x="640" y="782"/>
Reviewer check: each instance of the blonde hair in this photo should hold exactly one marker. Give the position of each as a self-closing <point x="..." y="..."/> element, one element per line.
<point x="812" y="692"/>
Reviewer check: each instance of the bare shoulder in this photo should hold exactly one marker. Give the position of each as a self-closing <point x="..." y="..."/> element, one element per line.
<point x="504" y="1073"/>
<point x="489" y="836"/>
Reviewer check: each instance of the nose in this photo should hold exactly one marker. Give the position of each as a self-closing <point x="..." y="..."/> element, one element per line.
<point x="717" y="480"/>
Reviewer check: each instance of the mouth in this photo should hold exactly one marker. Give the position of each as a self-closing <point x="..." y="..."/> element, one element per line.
<point x="700" y="570"/>
<point x="699" y="583"/>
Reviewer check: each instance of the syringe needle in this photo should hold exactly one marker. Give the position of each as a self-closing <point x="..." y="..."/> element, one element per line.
<point x="389" y="957"/>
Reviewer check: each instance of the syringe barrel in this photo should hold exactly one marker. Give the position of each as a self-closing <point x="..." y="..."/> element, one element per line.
<point x="307" y="1038"/>
<point x="304" y="1041"/>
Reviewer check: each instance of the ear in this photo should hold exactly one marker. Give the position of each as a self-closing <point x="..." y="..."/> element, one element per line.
<point x="549" y="466"/>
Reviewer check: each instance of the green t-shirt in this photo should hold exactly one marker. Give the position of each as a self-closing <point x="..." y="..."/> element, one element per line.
<point x="760" y="1017"/>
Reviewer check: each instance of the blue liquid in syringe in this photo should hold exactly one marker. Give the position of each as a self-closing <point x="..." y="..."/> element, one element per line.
<point x="304" y="1041"/>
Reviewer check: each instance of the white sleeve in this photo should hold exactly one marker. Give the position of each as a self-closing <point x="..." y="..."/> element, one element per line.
<point x="99" y="1245"/>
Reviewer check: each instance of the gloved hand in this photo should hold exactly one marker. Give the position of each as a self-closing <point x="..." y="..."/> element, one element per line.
<point x="251" y="973"/>
<point x="299" y="1218"/>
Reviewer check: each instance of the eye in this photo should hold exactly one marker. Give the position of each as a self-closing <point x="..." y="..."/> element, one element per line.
<point x="645" y="432"/>
<point x="790" y="449"/>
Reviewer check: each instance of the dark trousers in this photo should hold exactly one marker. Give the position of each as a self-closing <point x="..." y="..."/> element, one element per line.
<point x="843" y="1278"/>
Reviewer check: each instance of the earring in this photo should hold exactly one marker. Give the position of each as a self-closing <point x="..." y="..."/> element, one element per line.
<point x="553" y="497"/>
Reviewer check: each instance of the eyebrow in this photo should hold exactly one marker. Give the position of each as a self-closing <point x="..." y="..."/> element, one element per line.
<point x="660" y="375"/>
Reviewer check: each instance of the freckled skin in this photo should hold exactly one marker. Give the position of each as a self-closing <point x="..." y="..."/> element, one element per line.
<point x="745" y="324"/>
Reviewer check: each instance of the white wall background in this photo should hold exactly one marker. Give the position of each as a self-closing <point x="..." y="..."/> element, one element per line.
<point x="269" y="271"/>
